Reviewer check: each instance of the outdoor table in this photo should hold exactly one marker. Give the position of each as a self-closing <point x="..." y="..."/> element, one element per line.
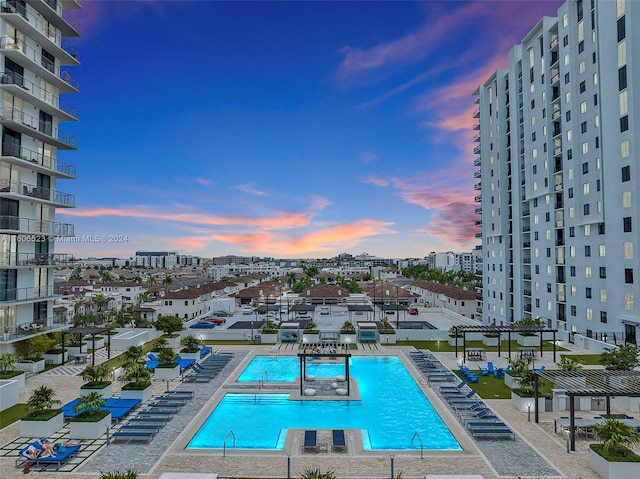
<point x="475" y="353"/>
<point x="528" y="352"/>
<point x="81" y="358"/>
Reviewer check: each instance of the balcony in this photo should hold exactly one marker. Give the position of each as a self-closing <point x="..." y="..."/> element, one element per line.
<point x="19" y="225"/>
<point x="32" y="259"/>
<point x="27" y="20"/>
<point x="477" y="149"/>
<point x="478" y="211"/>
<point x="476" y="139"/>
<point x="478" y="222"/>
<point x="52" y="11"/>
<point x="16" y="295"/>
<point x="42" y="66"/>
<point x="478" y="199"/>
<point x="477" y="162"/>
<point x="527" y="292"/>
<point x="479" y="235"/>
<point x="476" y="114"/>
<point x="477" y="186"/>
<point x="19" y="155"/>
<point x="33" y="192"/>
<point x="476" y="126"/>
<point x="477" y="174"/>
<point x="29" y="125"/>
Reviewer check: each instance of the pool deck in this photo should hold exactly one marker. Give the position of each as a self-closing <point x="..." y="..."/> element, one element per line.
<point x="537" y="450"/>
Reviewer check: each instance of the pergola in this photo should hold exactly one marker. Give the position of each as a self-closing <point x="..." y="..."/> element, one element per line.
<point x="93" y="332"/>
<point x="310" y="351"/>
<point x="591" y="383"/>
<point x="537" y="329"/>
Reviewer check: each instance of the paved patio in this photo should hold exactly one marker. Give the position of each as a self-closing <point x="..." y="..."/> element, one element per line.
<point x="537" y="451"/>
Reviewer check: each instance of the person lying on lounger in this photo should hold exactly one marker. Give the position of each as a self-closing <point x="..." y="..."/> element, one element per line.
<point x="47" y="448"/>
<point x="32" y="452"/>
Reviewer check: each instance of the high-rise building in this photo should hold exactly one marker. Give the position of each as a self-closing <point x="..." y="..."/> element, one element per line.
<point x="559" y="179"/>
<point x="34" y="77"/>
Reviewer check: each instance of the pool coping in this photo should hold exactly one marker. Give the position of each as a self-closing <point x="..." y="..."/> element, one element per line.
<point x="355" y="446"/>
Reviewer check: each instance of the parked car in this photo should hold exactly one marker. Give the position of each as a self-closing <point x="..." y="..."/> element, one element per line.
<point x="413" y="311"/>
<point x="359" y="313"/>
<point x="223" y="314"/>
<point x="247" y="310"/>
<point x="324" y="310"/>
<point x="202" y="325"/>
<point x="216" y="321"/>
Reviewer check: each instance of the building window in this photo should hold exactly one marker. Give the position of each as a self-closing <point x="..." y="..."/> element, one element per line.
<point x="624" y="149"/>
<point x="587" y="271"/>
<point x="629" y="301"/>
<point x="628" y="275"/>
<point x="572" y="231"/>
<point x="603" y="272"/>
<point x="622" y="78"/>
<point x="626" y="199"/>
<point x="603" y="316"/>
<point x="603" y="295"/>
<point x="626" y="173"/>
<point x="586" y="209"/>
<point x="587" y="293"/>
<point x="624" y="123"/>
<point x="573" y="310"/>
<point x="587" y="250"/>
<point x="628" y="250"/>
<point x="583" y="87"/>
<point x="621" y="29"/>
<point x="626" y="224"/>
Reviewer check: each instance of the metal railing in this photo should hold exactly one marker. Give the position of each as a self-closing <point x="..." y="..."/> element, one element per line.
<point x="39" y="192"/>
<point x="29" y="225"/>
<point x="38" y="158"/>
<point x="46" y="128"/>
<point x="34" y="89"/>
<point x="14" y="295"/>
<point x="36" y="56"/>
<point x="33" y="259"/>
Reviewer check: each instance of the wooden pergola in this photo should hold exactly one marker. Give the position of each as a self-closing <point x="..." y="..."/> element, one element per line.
<point x="591" y="383"/>
<point x="93" y="332"/>
<point x="535" y="329"/>
<point x="310" y="351"/>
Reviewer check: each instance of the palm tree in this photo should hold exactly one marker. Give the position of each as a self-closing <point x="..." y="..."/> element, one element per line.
<point x="106" y="277"/>
<point x="151" y="279"/>
<point x="8" y="362"/>
<point x="167" y="280"/>
<point x="42" y="399"/>
<point x="90" y="403"/>
<point x="616" y="436"/>
<point x="133" y="354"/>
<point x="95" y="374"/>
<point x="136" y="373"/>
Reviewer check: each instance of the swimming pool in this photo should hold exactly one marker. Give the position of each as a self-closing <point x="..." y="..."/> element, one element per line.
<point x="392" y="408"/>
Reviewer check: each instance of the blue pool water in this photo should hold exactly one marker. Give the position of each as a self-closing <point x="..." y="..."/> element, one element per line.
<point x="392" y="408"/>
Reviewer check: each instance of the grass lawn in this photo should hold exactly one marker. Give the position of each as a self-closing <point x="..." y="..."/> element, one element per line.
<point x="444" y="347"/>
<point x="11" y="415"/>
<point x="489" y="387"/>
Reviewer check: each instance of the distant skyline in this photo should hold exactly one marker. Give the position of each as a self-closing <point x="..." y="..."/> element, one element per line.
<point x="283" y="129"/>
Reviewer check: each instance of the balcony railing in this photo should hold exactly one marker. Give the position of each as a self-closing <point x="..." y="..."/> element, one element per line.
<point x="39" y="159"/>
<point x="23" y="330"/>
<point x="13" y="295"/>
<point x="29" y="225"/>
<point x="38" y="192"/>
<point x="35" y="20"/>
<point x="13" y="78"/>
<point x="45" y="128"/>
<point x="9" y="43"/>
<point x="33" y="259"/>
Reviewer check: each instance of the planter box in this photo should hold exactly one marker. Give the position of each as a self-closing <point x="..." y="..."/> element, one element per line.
<point x="310" y="337"/>
<point x="104" y="392"/>
<point x="387" y="338"/>
<point x="99" y="342"/>
<point x="31" y="366"/>
<point x="142" y="394"/>
<point x="268" y="338"/>
<point x="348" y="338"/>
<point x="512" y="382"/>
<point x="9" y="393"/>
<point x="528" y="340"/>
<point x="73" y="350"/>
<point x="89" y="430"/>
<point x="628" y="403"/>
<point x="41" y="428"/>
<point x="490" y="341"/>
<point x="56" y="358"/>
<point x="522" y="403"/>
<point x="195" y="356"/>
<point x="612" y="470"/>
<point x="20" y="379"/>
<point x="174" y="342"/>
<point x="452" y="341"/>
<point x="167" y="374"/>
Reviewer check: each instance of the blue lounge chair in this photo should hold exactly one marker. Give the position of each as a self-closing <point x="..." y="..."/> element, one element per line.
<point x="310" y="441"/>
<point x="459" y="387"/>
<point x="128" y="436"/>
<point x="61" y="454"/>
<point x="338" y="441"/>
<point x="489" y="369"/>
<point x="152" y="357"/>
<point x="539" y="370"/>
<point x="453" y="397"/>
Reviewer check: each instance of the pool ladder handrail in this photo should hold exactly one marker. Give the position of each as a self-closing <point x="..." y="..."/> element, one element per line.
<point x="262" y="377"/>
<point x="224" y="444"/>
<point x="421" y="445"/>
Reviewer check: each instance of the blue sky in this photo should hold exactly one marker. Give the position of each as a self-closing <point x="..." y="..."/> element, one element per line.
<point x="287" y="129"/>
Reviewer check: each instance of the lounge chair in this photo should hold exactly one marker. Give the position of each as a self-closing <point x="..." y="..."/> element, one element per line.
<point x="459" y="387"/>
<point x="178" y="392"/>
<point x="483" y="414"/>
<point x="127" y="436"/>
<point x="310" y="441"/>
<point x="489" y="369"/>
<point x="60" y="455"/>
<point x="338" y="441"/>
<point x="152" y="357"/>
<point x="492" y="433"/>
<point x="456" y="397"/>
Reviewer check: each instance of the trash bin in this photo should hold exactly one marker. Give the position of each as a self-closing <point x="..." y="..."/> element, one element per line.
<point x="548" y="402"/>
<point x="257" y="339"/>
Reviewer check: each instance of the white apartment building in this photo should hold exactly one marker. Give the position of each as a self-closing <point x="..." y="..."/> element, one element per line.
<point x="34" y="59"/>
<point x="450" y="261"/>
<point x="557" y="138"/>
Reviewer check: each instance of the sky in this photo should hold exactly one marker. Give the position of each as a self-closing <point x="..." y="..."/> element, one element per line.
<point x="281" y="129"/>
